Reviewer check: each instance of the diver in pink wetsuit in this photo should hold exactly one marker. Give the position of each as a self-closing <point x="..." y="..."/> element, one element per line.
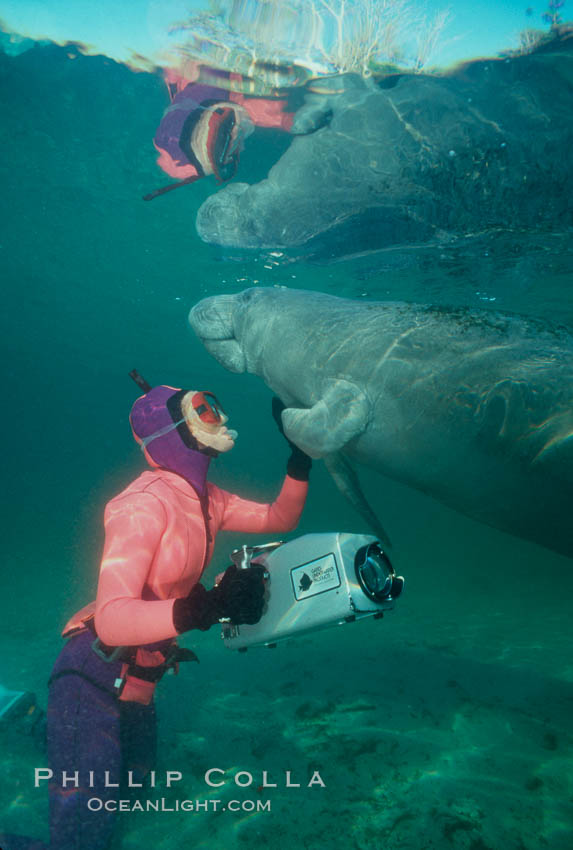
<point x="159" y="538"/>
<point x="161" y="530"/>
<point x="205" y="126"/>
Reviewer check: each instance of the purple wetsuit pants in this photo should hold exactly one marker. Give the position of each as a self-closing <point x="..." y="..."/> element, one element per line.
<point x="91" y="735"/>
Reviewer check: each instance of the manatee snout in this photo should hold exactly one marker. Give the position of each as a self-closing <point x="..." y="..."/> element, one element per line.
<point x="220" y="218"/>
<point x="212" y="319"/>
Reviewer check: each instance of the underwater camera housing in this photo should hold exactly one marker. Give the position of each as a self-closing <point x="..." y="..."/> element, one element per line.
<point x="313" y="582"/>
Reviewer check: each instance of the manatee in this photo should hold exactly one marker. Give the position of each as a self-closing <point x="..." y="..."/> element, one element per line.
<point x="474" y="408"/>
<point x="413" y="159"/>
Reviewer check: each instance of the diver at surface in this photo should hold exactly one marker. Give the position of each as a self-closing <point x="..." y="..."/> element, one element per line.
<point x="203" y="130"/>
<point x="159" y="538"/>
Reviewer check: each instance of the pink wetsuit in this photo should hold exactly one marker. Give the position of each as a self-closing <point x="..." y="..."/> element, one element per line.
<point x="187" y="98"/>
<point x="156" y="548"/>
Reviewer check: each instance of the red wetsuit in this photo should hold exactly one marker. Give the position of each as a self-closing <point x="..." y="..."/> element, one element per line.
<point x="156" y="548"/>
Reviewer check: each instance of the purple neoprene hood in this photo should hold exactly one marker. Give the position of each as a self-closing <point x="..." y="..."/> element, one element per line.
<point x="186" y="102"/>
<point x="148" y="415"/>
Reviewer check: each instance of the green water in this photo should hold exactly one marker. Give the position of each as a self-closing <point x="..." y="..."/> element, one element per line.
<point x="448" y="724"/>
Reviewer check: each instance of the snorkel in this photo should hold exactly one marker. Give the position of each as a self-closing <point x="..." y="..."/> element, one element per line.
<point x="169" y="188"/>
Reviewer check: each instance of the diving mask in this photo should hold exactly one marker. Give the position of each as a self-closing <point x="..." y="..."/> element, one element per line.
<point x="208" y="408"/>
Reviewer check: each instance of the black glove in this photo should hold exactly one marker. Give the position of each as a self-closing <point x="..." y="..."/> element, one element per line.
<point x="299" y="463"/>
<point x="239" y="596"/>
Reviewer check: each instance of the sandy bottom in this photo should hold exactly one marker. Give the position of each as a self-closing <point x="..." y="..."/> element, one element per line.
<point x="419" y="746"/>
<point x="448" y="724"/>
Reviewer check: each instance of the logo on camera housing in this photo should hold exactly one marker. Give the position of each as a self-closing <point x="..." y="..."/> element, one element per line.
<point x="315" y="577"/>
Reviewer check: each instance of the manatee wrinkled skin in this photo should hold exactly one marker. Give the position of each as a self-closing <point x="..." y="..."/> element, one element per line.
<point x="488" y="146"/>
<point x="473" y="408"/>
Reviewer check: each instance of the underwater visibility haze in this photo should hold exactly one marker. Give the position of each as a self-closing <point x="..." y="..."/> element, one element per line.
<point x="404" y="232"/>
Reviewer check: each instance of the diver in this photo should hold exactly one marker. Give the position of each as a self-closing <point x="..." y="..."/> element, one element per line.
<point x="159" y="537"/>
<point x="203" y="130"/>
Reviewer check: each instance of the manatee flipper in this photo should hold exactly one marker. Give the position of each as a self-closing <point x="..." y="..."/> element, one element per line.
<point x="322" y="100"/>
<point x="347" y="481"/>
<point x="315" y="113"/>
<point x="326" y="427"/>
